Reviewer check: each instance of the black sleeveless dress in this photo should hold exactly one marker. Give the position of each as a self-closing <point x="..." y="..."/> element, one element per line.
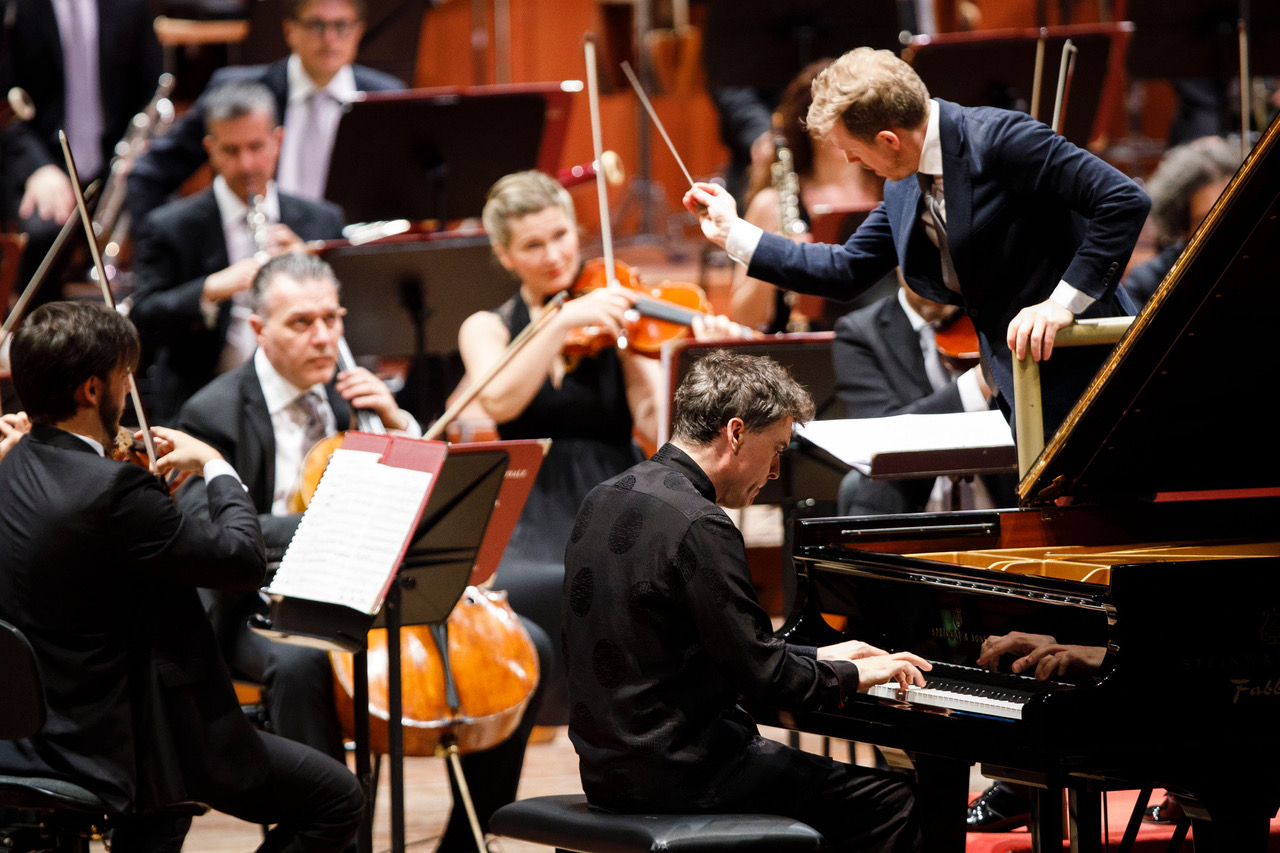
<point x="589" y="423"/>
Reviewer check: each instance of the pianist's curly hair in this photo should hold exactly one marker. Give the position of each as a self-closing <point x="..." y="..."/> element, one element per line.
<point x="724" y="385"/>
<point x="1182" y="172"/>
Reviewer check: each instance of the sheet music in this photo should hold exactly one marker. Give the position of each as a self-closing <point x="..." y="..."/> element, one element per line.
<point x="857" y="440"/>
<point x="349" y="541"/>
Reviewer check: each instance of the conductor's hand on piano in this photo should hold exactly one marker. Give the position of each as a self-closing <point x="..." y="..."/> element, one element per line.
<point x="1036" y="327"/>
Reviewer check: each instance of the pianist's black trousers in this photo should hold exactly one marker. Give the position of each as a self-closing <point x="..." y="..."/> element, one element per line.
<point x="314" y="802"/>
<point x="857" y="809"/>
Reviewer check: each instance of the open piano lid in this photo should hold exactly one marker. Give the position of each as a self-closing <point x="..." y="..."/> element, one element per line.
<point x="1185" y="401"/>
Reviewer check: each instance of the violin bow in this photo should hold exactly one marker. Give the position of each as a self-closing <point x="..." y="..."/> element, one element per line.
<point x="107" y="296"/>
<point x="602" y="193"/>
<point x="42" y="271"/>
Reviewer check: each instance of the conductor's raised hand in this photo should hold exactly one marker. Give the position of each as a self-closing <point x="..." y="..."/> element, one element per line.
<point x="1035" y="329"/>
<point x="715" y="208"/>
<point x="905" y="668"/>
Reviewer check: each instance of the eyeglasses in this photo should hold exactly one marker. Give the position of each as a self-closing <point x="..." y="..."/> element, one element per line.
<point x="318" y="26"/>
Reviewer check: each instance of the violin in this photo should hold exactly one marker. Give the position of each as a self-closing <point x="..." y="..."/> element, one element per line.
<point x="958" y="343"/>
<point x="662" y="313"/>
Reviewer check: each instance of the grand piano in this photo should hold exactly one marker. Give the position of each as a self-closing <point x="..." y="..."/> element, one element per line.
<point x="1148" y="526"/>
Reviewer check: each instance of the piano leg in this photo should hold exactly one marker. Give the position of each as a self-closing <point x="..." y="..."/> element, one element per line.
<point x="1086" y="820"/>
<point x="1046" y="819"/>
<point x="942" y="797"/>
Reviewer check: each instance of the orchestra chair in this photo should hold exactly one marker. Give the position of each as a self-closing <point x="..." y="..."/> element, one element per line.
<point x="568" y="824"/>
<point x="57" y="814"/>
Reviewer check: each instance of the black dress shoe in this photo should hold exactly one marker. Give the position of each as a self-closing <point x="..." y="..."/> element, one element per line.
<point x="998" y="809"/>
<point x="1167" y="811"/>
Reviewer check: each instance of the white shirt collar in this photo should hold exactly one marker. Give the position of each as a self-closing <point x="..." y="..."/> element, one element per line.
<point x="931" y="152"/>
<point x="917" y="322"/>
<point x="92" y="442"/>
<point x="342" y="87"/>
<point x="233" y="210"/>
<point x="278" y="391"/>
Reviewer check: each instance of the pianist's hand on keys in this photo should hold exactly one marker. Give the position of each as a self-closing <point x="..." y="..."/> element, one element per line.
<point x="876" y="666"/>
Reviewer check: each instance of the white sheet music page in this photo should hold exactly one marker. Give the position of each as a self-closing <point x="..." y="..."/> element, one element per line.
<point x="856" y="440"/>
<point x="349" y="541"/>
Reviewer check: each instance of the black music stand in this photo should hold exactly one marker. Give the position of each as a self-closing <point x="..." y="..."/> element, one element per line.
<point x="436" y="568"/>
<point x="996" y="68"/>
<point x="1197" y="38"/>
<point x="432" y="154"/>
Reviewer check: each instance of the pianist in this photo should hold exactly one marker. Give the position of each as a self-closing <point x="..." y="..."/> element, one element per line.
<point x="664" y="635"/>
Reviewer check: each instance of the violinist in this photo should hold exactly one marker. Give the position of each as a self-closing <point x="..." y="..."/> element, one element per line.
<point x="264" y="416"/>
<point x="1020" y="227"/>
<point x="887" y="362"/>
<point x="590" y="412"/>
<point x="99" y="570"/>
<point x="821" y="175"/>
<point x="196" y="257"/>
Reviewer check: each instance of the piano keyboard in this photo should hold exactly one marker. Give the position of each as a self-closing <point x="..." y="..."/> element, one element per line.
<point x="967" y="689"/>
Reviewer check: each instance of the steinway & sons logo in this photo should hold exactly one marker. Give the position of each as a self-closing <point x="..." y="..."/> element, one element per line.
<point x="950" y="627"/>
<point x="1253" y="688"/>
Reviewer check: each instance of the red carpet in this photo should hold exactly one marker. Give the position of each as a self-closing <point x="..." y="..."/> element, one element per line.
<point x="1151" y="838"/>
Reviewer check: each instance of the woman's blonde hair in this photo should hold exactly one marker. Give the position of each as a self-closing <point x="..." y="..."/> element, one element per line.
<point x="867" y="91"/>
<point x="520" y="194"/>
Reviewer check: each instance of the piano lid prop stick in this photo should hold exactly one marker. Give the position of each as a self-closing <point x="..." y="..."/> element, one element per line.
<point x="1246" y="86"/>
<point x="107" y="297"/>
<point x="635" y="84"/>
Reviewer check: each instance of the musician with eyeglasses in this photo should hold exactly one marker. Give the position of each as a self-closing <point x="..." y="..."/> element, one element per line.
<point x="195" y="258"/>
<point x="310" y="88"/>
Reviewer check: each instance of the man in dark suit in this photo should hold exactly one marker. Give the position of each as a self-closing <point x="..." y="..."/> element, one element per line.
<point x="309" y="86"/>
<point x="196" y="257"/>
<point x="99" y="570"/>
<point x="887" y="363"/>
<point x="89" y="67"/>
<point x="263" y="416"/>
<point x="1019" y="226"/>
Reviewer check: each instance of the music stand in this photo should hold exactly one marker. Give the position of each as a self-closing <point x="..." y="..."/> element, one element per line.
<point x="456" y="529"/>
<point x="1197" y="38"/>
<point x="996" y="68"/>
<point x="437" y="149"/>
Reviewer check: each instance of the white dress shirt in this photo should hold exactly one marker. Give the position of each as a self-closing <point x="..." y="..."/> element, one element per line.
<point x="308" y="138"/>
<point x="233" y="211"/>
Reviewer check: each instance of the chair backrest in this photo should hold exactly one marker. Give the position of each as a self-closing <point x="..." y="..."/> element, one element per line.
<point x="22" y="707"/>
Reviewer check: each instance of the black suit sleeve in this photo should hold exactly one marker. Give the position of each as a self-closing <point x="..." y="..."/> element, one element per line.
<point x="221" y="549"/>
<point x="166" y="308"/>
<point x="871" y="387"/>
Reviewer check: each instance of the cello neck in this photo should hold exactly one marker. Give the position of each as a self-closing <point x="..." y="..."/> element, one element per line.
<point x="365" y="420"/>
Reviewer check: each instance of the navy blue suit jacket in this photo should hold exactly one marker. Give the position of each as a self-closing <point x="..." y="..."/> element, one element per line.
<point x="173" y="157"/>
<point x="1025" y="209"/>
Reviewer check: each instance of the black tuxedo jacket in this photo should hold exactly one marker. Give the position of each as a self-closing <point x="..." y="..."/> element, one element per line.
<point x="99" y="570"/>
<point x="879" y="366"/>
<point x="128" y="70"/>
<point x="178" y="246"/>
<point x="173" y="157"/>
<point x="231" y="415"/>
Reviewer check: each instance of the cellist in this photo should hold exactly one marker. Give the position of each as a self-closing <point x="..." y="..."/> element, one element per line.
<point x="264" y="416"/>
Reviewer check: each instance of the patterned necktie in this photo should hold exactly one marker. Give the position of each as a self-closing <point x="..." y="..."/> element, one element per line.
<point x="939" y="376"/>
<point x="936" y="223"/>
<point x="313" y="420"/>
<point x="317" y="146"/>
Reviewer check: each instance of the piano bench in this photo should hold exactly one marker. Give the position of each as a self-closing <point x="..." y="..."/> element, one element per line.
<point x="567" y="823"/>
